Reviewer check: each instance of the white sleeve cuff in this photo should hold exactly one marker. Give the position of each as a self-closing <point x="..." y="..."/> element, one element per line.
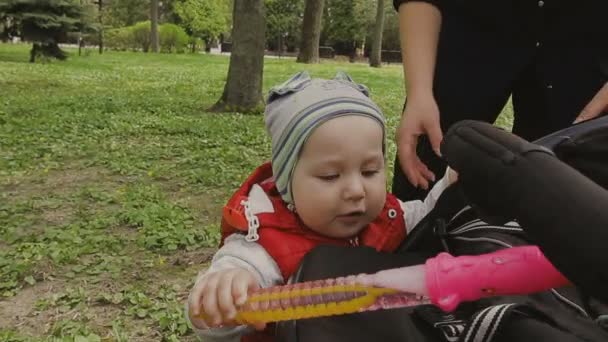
<point x="415" y="211"/>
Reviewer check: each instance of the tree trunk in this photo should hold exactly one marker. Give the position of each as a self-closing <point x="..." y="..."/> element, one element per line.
<point x="311" y="32"/>
<point x="375" y="58"/>
<point x="154" y="26"/>
<point x="34" y="52"/>
<point x="100" y="4"/>
<point x="243" y="89"/>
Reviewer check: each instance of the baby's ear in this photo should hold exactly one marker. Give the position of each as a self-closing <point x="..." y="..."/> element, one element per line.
<point x="297" y="82"/>
<point x="345" y="78"/>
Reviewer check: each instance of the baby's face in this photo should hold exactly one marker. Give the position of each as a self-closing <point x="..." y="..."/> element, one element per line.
<point x="339" y="182"/>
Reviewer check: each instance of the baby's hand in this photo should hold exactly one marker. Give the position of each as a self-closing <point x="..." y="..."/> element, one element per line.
<point x="218" y="295"/>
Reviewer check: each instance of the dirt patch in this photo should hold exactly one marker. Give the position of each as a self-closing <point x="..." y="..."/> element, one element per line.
<point x="56" y="200"/>
<point x="59" y="197"/>
<point x="57" y="216"/>
<point x="58" y="182"/>
<point x="180" y="270"/>
<point x="198" y="257"/>
<point x="19" y="312"/>
<point x="207" y="206"/>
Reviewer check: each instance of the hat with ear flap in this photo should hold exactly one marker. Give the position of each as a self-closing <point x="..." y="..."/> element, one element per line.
<point x="299" y="105"/>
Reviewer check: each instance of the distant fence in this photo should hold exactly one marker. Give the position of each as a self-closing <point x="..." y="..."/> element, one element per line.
<point x="226" y="46"/>
<point x="390" y="56"/>
<point x="326" y="52"/>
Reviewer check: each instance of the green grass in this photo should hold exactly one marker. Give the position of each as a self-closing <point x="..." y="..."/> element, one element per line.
<point x="112" y="178"/>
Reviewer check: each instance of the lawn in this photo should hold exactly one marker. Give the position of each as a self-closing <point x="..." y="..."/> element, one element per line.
<point x="112" y="180"/>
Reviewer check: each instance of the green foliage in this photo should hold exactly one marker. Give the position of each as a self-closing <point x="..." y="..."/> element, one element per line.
<point x="11" y="336"/>
<point x="78" y="331"/>
<point x="43" y="20"/>
<point x="163" y="227"/>
<point x="347" y="21"/>
<point x="284" y="20"/>
<point x="196" y="44"/>
<point x="173" y="38"/>
<point x="140" y="34"/>
<point x="59" y="245"/>
<point x="390" y="36"/>
<point x="206" y="19"/>
<point x="121" y="13"/>
<point x="163" y="308"/>
<point x="119" y="38"/>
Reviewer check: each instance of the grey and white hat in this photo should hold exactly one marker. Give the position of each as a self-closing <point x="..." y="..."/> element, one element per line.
<point x="299" y="105"/>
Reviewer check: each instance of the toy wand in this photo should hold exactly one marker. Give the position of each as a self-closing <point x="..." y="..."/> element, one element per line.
<point x="444" y="281"/>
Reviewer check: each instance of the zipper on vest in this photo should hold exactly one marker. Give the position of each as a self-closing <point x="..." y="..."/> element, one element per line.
<point x="253" y="223"/>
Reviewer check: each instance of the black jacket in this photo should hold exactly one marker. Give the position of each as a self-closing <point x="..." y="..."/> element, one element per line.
<point x="550" y="23"/>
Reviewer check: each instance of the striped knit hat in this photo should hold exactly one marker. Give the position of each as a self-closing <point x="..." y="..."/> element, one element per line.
<point x="295" y="108"/>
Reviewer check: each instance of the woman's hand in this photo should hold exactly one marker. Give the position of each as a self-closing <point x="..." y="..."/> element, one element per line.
<point x="421" y="116"/>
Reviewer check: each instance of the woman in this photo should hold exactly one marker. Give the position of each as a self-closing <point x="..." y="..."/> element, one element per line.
<point x="463" y="59"/>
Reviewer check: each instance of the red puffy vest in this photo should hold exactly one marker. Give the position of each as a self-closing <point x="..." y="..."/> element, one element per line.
<point x="287" y="240"/>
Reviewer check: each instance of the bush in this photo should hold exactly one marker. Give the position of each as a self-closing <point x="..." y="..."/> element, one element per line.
<point x="196" y="44"/>
<point x="119" y="39"/>
<point x="141" y="35"/>
<point x="173" y="38"/>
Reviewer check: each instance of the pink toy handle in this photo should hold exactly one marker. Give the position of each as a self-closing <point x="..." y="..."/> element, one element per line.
<point x="519" y="270"/>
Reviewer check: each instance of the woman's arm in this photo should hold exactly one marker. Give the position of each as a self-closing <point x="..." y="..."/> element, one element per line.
<point x="419" y="26"/>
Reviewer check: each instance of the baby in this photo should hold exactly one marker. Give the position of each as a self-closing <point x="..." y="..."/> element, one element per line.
<point x="326" y="184"/>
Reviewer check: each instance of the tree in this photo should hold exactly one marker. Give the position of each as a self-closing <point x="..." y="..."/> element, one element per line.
<point x="243" y="89"/>
<point x="166" y="11"/>
<point x="154" y="41"/>
<point x="121" y="13"/>
<point x="205" y="19"/>
<point x="100" y="15"/>
<point x="390" y="36"/>
<point x="45" y="23"/>
<point x="311" y="32"/>
<point x="345" y="24"/>
<point x="375" y="58"/>
<point x="8" y="29"/>
<point x="283" y="22"/>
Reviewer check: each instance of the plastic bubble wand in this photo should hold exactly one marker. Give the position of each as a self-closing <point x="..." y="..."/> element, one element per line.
<point x="336" y="296"/>
<point x="445" y="281"/>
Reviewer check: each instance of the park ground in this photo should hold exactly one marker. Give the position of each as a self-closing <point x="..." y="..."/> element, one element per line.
<point x="112" y="180"/>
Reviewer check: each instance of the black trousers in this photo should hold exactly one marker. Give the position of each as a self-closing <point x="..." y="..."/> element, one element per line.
<point x="478" y="69"/>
